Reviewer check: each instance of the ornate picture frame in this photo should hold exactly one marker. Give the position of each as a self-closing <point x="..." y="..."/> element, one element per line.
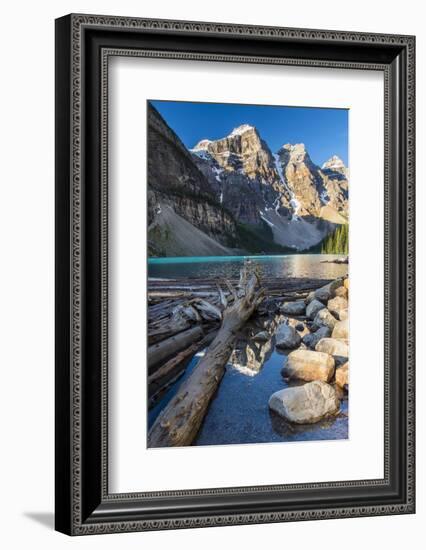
<point x="84" y="44"/>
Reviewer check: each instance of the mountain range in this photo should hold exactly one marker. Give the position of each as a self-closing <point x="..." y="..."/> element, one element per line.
<point x="234" y="196"/>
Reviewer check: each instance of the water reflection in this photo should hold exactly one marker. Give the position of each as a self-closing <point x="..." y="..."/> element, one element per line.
<point x="249" y="355"/>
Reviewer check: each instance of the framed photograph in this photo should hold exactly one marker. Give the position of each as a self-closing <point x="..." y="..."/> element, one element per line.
<point x="234" y="274"/>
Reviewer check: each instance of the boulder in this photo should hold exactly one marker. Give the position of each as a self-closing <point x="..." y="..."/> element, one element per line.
<point x="311" y="340"/>
<point x="341" y="329"/>
<point x="344" y="314"/>
<point x="313" y="308"/>
<point x="305" y="404"/>
<point x="342" y="292"/>
<point x="286" y="337"/>
<point x="309" y="365"/>
<point x="342" y="376"/>
<point x="262" y="336"/>
<point x="324" y="319"/>
<point x="326" y="292"/>
<point x="346" y="283"/>
<point x="293" y="308"/>
<point x="310" y="297"/>
<point x="333" y="346"/>
<point x="337" y="305"/>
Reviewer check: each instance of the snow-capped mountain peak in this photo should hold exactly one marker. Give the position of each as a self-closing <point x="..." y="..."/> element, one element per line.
<point x="334" y="163"/>
<point x="235" y="190"/>
<point x="202" y="145"/>
<point x="240" y="130"/>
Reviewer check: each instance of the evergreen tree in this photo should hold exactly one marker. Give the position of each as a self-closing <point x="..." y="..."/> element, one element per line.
<point x="337" y="242"/>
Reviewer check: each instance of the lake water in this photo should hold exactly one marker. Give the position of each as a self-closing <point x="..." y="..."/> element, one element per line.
<point x="239" y="412"/>
<point x="314" y="266"/>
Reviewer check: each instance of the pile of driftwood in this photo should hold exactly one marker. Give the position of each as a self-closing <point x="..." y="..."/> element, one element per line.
<point x="177" y="329"/>
<point x="186" y="316"/>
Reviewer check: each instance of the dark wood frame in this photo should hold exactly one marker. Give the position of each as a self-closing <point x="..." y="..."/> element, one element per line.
<point x="83" y="46"/>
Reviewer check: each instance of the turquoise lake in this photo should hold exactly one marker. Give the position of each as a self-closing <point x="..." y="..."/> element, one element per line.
<point x="314" y="266"/>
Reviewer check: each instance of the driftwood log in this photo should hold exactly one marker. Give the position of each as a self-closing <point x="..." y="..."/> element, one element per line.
<point x="179" y="422"/>
<point x="167" y="374"/>
<point x="179" y="358"/>
<point x="163" y="350"/>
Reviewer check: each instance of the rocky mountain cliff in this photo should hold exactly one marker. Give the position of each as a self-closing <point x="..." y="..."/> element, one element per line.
<point x="239" y="194"/>
<point x="336" y="176"/>
<point x="175" y="184"/>
<point x="241" y="164"/>
<point x="335" y="164"/>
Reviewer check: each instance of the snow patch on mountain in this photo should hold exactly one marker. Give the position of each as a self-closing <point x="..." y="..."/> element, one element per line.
<point x="201" y="153"/>
<point x="265" y="219"/>
<point x="325" y="199"/>
<point x="336" y="164"/>
<point x="201" y="145"/>
<point x="240" y="130"/>
<point x="217" y="172"/>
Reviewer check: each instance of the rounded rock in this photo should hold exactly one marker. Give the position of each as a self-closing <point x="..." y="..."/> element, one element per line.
<point x="306" y="404"/>
<point x="287" y="337"/>
<point x="342" y="376"/>
<point x="311" y="340"/>
<point x="333" y="346"/>
<point x="326" y="292"/>
<point x="293" y="308"/>
<point x="341" y="329"/>
<point x="337" y="305"/>
<point x="309" y="365"/>
<point x="313" y="308"/>
<point x="324" y="319"/>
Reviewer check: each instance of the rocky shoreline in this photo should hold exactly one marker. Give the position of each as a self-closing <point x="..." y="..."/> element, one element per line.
<point x="316" y="330"/>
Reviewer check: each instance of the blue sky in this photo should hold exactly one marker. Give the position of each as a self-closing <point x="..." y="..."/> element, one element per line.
<point x="323" y="131"/>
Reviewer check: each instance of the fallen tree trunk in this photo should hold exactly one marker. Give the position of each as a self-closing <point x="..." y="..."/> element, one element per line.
<point x="169" y="293"/>
<point x="166" y="330"/>
<point x="164" y="349"/>
<point x="170" y="365"/>
<point x="179" y="422"/>
<point x="173" y="369"/>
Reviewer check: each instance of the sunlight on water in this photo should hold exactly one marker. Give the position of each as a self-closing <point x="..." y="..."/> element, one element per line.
<point x="314" y="266"/>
